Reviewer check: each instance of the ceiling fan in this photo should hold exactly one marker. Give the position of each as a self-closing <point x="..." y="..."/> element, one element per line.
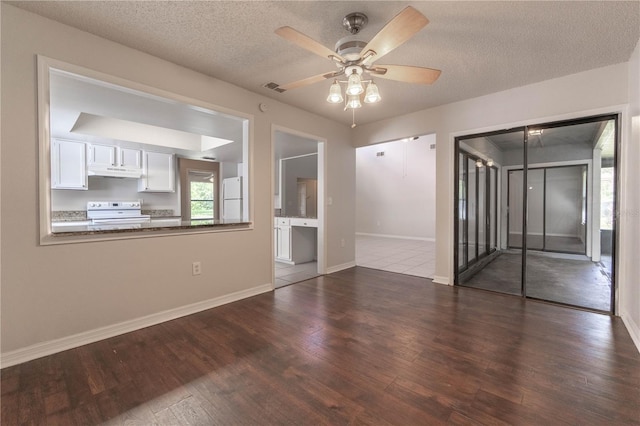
<point x="354" y="57"/>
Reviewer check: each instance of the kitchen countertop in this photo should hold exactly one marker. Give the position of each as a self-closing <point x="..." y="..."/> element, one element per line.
<point x="295" y="217"/>
<point x="161" y="225"/>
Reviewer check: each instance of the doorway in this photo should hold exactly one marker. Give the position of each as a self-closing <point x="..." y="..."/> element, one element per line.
<point x="298" y="195"/>
<point x="535" y="212"/>
<point x="395" y="206"/>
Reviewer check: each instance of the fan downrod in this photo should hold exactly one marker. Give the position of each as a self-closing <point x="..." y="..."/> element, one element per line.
<point x="354" y="22"/>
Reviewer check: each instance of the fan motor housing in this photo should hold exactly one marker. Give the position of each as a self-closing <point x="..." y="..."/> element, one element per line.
<point x="349" y="47"/>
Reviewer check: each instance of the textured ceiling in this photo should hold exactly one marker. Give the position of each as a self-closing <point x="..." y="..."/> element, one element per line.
<point x="481" y="47"/>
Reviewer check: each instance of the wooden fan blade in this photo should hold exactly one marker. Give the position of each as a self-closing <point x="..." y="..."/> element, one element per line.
<point x="307" y="42"/>
<point x="406" y="73"/>
<point x="400" y="29"/>
<point x="307" y="81"/>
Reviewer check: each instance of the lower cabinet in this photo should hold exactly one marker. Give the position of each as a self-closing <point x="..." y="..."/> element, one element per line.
<point x="294" y="244"/>
<point x="283" y="251"/>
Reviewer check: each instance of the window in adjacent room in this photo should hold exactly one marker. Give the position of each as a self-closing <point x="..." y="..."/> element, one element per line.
<point x="201" y="198"/>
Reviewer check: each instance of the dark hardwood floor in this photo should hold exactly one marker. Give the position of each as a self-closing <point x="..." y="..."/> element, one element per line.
<point x="356" y="347"/>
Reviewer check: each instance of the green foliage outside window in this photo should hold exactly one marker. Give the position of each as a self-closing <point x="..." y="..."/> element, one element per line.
<point x="202" y="200"/>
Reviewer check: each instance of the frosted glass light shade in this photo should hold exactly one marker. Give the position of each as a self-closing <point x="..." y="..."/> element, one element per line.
<point x="372" y="95"/>
<point x="353" y="102"/>
<point x="354" y="85"/>
<point x="335" y="93"/>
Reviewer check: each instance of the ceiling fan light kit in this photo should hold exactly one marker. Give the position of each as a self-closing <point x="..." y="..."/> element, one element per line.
<point x="372" y="94"/>
<point x="354" y="58"/>
<point x="354" y="84"/>
<point x="353" y="102"/>
<point x="335" y="93"/>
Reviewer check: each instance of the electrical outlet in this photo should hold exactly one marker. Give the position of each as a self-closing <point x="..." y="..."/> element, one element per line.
<point x="196" y="268"/>
<point x="342" y="242"/>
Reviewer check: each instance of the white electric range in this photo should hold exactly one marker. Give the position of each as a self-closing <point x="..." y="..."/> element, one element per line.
<point x="116" y="215"/>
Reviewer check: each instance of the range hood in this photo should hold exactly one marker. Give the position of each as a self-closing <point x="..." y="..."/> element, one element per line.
<point x="113" y="171"/>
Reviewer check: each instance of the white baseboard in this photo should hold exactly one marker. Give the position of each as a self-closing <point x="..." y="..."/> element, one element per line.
<point x="632" y="328"/>
<point x="337" y="268"/>
<point x="438" y="279"/>
<point x="39" y="350"/>
<point x="403" y="237"/>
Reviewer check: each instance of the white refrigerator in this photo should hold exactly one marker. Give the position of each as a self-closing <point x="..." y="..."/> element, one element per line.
<point x="232" y="198"/>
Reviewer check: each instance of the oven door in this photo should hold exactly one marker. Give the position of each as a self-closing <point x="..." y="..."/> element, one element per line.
<point x="106" y="224"/>
<point x="121" y="220"/>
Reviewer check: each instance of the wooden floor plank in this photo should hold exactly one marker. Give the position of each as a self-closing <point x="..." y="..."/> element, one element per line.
<point x="358" y="347"/>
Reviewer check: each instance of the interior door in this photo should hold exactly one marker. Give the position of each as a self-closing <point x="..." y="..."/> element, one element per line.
<point x="482" y="202"/>
<point x="563" y="270"/>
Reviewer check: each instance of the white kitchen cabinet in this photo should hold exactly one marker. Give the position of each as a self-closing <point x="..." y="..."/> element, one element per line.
<point x="129" y="158"/>
<point x="68" y="165"/>
<point x="158" y="172"/>
<point x="294" y="244"/>
<point x="102" y="155"/>
<point x="106" y="155"/>
<point x="284" y="243"/>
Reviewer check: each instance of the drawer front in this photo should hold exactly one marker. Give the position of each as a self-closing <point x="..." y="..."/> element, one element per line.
<point x="283" y="221"/>
<point x="301" y="221"/>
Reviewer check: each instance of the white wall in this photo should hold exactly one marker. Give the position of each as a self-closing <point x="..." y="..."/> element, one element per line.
<point x="47" y="295"/>
<point x="395" y="193"/>
<point x="630" y="207"/>
<point x="587" y="93"/>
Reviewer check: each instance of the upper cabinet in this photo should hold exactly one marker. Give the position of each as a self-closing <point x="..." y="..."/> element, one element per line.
<point x="73" y="161"/>
<point x="158" y="172"/>
<point x="130" y="158"/>
<point x="102" y="155"/>
<point x="68" y="165"/>
<point x="106" y="155"/>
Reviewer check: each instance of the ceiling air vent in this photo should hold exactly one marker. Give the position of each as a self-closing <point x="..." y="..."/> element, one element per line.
<point x="273" y="86"/>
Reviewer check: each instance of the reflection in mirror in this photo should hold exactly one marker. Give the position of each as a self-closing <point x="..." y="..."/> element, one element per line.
<point x="551" y="211"/>
<point x="115" y="152"/>
<point x="571" y="260"/>
<point x="487" y="255"/>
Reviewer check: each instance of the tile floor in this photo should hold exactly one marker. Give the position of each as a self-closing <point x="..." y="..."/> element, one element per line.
<point x="289" y="274"/>
<point x="410" y="257"/>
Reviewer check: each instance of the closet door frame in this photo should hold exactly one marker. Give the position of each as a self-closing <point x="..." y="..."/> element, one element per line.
<point x="616" y="117"/>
